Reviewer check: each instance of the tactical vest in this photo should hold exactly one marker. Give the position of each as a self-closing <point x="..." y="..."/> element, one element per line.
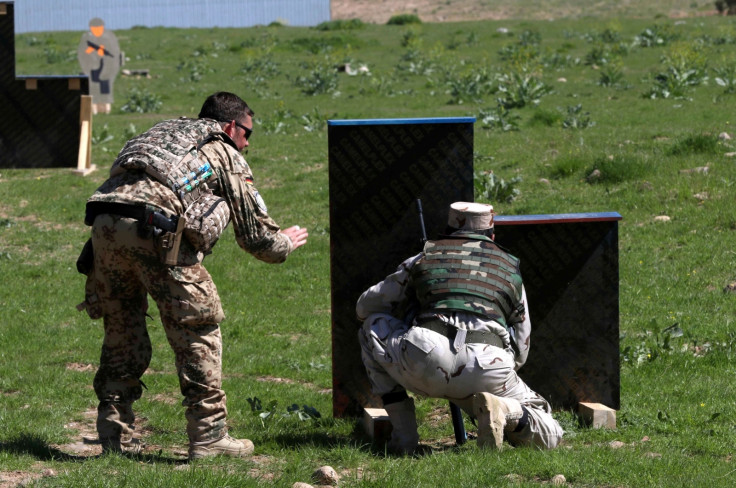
<point x="168" y="153"/>
<point x="469" y="273"/>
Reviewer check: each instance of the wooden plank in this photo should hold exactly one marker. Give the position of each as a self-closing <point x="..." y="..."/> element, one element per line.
<point x="31" y="84"/>
<point x="84" y="166"/>
<point x="377" y="424"/>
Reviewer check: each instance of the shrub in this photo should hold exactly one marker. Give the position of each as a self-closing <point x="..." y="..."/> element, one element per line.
<point x="491" y="188"/>
<point x="521" y="89"/>
<point x="615" y="170"/>
<point x="576" y="118"/>
<point x="499" y="118"/>
<point x="142" y="102"/>
<point x="340" y="24"/>
<point x="404" y="19"/>
<point x="322" y="79"/>
<point x="695" y="144"/>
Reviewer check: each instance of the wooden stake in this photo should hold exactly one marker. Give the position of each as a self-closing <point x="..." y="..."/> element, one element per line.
<point x="84" y="162"/>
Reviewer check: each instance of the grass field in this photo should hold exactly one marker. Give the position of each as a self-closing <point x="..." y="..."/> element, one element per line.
<point x="578" y="115"/>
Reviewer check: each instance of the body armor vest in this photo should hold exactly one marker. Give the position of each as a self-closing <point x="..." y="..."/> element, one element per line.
<point x="168" y="153"/>
<point x="469" y="273"/>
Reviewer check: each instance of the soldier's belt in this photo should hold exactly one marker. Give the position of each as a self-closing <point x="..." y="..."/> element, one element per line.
<point x="137" y="212"/>
<point x="449" y="331"/>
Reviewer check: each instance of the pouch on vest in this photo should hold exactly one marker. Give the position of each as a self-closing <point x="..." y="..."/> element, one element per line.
<point x="206" y="219"/>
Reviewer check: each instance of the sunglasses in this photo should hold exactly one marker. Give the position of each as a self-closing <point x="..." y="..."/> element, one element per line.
<point x="248" y="131"/>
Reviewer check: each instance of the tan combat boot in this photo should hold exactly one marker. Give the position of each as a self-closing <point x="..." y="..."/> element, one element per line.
<point x="226" y="446"/>
<point x="404" y="435"/>
<point x="494" y="415"/>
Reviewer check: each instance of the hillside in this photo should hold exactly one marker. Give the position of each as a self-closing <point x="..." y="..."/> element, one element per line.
<point x="379" y="11"/>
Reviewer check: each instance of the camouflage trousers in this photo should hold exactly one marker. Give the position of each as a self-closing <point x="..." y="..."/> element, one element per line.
<point x="127" y="268"/>
<point x="397" y="357"/>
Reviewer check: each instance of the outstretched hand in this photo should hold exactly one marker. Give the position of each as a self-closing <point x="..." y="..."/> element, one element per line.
<point x="298" y="235"/>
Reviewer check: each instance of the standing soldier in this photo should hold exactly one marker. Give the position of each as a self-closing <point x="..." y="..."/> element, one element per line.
<point x="100" y="58"/>
<point x="172" y="191"/>
<point x="452" y="323"/>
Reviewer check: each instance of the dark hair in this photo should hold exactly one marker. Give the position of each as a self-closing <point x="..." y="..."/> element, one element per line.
<point x="224" y="107"/>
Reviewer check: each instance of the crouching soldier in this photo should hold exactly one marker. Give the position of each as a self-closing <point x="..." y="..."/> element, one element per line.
<point x="452" y="323"/>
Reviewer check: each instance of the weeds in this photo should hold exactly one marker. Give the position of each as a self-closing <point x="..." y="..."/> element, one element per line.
<point x="499" y="118"/>
<point x="695" y="144"/>
<point x="576" y="118"/>
<point x="725" y="76"/>
<point x="491" y="188"/>
<point x="471" y="86"/>
<point x="321" y="79"/>
<point x="404" y="19"/>
<point x="142" y="101"/>
<point x="521" y="89"/>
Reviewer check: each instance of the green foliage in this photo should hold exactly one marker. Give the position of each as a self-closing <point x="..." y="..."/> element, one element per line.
<point x="656" y="35"/>
<point x="142" y="101"/>
<point x="404" y="19"/>
<point x="611" y="74"/>
<point x="340" y="24"/>
<point x="321" y="79"/>
<point x="499" y="118"/>
<point x="521" y="89"/>
<point x="566" y="166"/>
<point x="54" y="55"/>
<point x="617" y="169"/>
<point x="491" y="188"/>
<point x="470" y="86"/>
<point x="695" y="144"/>
<point x="542" y="117"/>
<point x="576" y="118"/>
<point x="725" y="76"/>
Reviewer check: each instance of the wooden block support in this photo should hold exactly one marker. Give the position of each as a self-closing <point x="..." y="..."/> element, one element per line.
<point x="84" y="161"/>
<point x="377" y="424"/>
<point x="597" y="415"/>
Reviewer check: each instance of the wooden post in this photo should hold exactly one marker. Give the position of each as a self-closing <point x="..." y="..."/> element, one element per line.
<point x="84" y="166"/>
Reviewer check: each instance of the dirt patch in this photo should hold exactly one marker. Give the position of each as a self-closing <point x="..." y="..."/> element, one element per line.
<point x="81" y="367"/>
<point x="380" y="11"/>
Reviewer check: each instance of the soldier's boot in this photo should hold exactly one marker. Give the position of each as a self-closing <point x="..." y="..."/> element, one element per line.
<point x="404" y="435"/>
<point x="224" y="446"/>
<point x="495" y="415"/>
<point x="129" y="445"/>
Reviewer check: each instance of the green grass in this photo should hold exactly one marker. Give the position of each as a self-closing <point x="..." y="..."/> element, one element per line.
<point x="676" y="422"/>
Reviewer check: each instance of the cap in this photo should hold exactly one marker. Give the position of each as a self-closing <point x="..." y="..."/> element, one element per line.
<point x="471" y="216"/>
<point x="96" y="22"/>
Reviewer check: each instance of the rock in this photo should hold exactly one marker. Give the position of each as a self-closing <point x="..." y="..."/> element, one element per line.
<point x="544" y="181"/>
<point x="701" y="196"/>
<point x="730" y="154"/>
<point x="724" y="136"/>
<point x="616" y="444"/>
<point x="562" y="80"/>
<point x="730" y="288"/>
<point x="502" y="30"/>
<point x="558" y="479"/>
<point x="326" y="475"/>
<point x="48" y="472"/>
<point x="662" y="218"/>
<point x="699" y="169"/>
<point x="595" y="175"/>
<point x="299" y="484"/>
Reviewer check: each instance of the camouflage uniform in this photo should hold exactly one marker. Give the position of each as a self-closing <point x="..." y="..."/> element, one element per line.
<point x="398" y="356"/>
<point x="128" y="266"/>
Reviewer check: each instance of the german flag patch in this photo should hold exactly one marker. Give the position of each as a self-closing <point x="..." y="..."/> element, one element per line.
<point x="249" y="180"/>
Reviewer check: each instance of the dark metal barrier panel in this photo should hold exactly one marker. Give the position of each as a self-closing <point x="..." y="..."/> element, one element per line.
<point x="39" y="121"/>
<point x="377" y="170"/>
<point x="569" y="263"/>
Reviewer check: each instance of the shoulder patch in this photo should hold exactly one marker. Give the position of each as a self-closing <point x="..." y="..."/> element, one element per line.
<point x="260" y="202"/>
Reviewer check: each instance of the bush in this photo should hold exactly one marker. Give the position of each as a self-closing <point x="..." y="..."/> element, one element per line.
<point x="404" y="19"/>
<point x="616" y="170"/>
<point x="142" y="102"/>
<point x="332" y="25"/>
<point x="493" y="189"/>
<point x="695" y="144"/>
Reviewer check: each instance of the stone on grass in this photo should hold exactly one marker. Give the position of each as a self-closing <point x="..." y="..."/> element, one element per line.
<point x="559" y="479"/>
<point x="299" y="484"/>
<point x="616" y="444"/>
<point x="724" y="136"/>
<point x="594" y="176"/>
<point x="662" y="218"/>
<point x="326" y="475"/>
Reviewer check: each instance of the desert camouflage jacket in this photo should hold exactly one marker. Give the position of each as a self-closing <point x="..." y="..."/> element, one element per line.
<point x="396" y="296"/>
<point x="255" y="231"/>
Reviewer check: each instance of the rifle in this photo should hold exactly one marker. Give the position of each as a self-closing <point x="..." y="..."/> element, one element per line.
<point x="96" y="47"/>
<point x="457" y="415"/>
